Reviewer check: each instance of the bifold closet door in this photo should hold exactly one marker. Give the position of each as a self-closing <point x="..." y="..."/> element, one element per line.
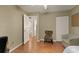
<point x="62" y="27"/>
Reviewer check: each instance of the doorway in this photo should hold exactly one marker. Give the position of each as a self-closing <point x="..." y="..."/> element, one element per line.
<point x="33" y="25"/>
<point x="29" y="27"/>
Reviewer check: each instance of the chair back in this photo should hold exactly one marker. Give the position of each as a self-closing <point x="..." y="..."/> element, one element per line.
<point x="49" y="33"/>
<point x="3" y="42"/>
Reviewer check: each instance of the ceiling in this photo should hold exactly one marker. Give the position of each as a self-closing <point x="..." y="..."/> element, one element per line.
<point x="50" y="8"/>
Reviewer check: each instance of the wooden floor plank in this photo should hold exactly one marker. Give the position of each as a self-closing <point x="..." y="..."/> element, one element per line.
<point x="40" y="47"/>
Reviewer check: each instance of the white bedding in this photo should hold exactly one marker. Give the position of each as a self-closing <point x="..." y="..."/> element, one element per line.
<point x="71" y="49"/>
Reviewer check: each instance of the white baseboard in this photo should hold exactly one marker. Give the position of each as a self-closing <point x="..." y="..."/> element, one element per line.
<point x="43" y="40"/>
<point x="54" y="40"/>
<point x="16" y="47"/>
<point x="57" y="40"/>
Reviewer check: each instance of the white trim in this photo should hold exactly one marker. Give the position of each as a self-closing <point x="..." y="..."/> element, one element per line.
<point x="43" y="40"/>
<point x="16" y="47"/>
<point x="26" y="41"/>
<point x="54" y="40"/>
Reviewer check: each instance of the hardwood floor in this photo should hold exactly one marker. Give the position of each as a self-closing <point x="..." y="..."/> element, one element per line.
<point x="40" y="47"/>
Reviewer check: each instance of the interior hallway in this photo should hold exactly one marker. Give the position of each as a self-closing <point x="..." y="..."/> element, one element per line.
<point x="40" y="47"/>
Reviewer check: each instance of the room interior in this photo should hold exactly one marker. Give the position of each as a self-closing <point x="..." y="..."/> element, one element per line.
<point x="13" y="18"/>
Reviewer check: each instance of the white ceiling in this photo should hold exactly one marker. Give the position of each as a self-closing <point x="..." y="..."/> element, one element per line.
<point x="50" y="8"/>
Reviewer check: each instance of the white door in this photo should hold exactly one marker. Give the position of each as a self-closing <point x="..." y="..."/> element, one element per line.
<point x="62" y="27"/>
<point x="26" y="29"/>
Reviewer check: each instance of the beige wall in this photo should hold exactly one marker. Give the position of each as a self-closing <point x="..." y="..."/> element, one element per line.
<point x="48" y="22"/>
<point x="11" y="24"/>
<point x="74" y="29"/>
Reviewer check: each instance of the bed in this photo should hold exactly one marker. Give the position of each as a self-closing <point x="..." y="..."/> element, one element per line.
<point x="71" y="49"/>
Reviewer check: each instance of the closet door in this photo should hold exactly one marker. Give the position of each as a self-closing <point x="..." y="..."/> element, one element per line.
<point x="62" y="27"/>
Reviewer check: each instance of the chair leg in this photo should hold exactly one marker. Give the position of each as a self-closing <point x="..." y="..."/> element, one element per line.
<point x="44" y="41"/>
<point x="52" y="41"/>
